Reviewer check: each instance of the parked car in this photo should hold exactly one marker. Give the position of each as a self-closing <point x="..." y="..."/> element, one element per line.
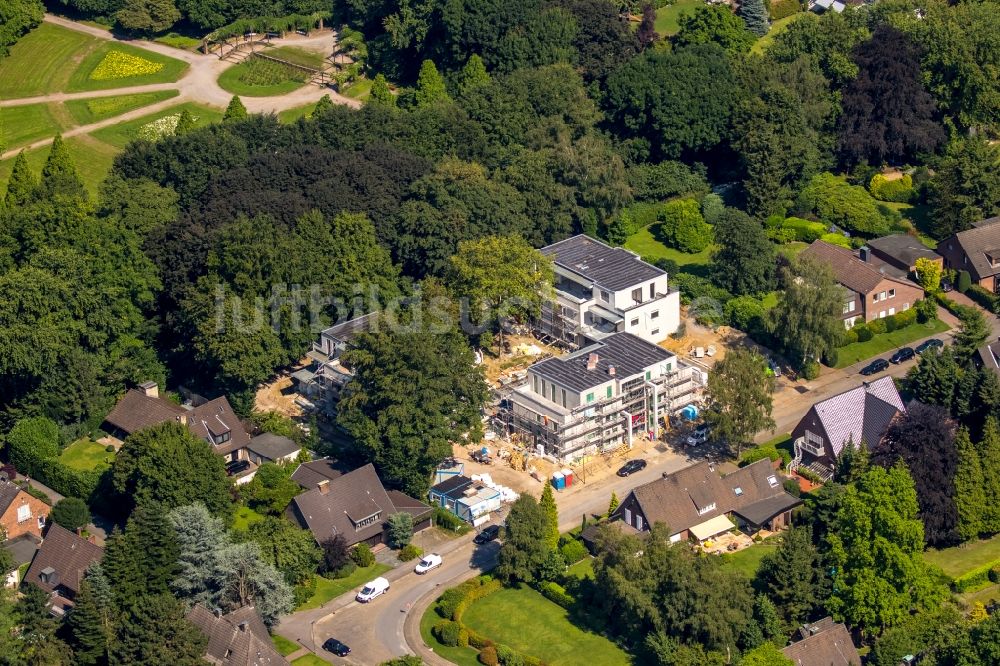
<point x="336" y="647"/>
<point x="372" y="589"/>
<point x="903" y="354"/>
<point x="488" y="534"/>
<point x="876" y="366"/>
<point x="432" y="561"/>
<point x="699" y="435"/>
<point x="946" y="286"/>
<point x="632" y="466"/>
<point x="933" y="343"/>
<point x="237" y="466"/>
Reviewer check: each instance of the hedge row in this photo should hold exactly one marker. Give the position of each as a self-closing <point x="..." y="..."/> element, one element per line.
<point x="784" y="8"/>
<point x="556" y="593"/>
<point x="865" y="332"/>
<point x="768" y="451"/>
<point x="454" y="602"/>
<point x="985" y="298"/>
<point x="785" y="230"/>
<point x="977" y="578"/>
<point x="62" y="479"/>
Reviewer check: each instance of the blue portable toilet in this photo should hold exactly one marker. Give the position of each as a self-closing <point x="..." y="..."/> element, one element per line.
<point x="558" y="481"/>
<point x="689" y="413"/>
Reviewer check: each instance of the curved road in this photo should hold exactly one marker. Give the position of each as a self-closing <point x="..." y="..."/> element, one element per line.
<point x="198" y="84"/>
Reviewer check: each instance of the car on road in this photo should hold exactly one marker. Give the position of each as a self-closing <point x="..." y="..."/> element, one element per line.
<point x="372" y="589"/>
<point x="933" y="343"/>
<point x="699" y="435"/>
<point x="432" y="561"/>
<point x="903" y="354"/>
<point x="336" y="647"/>
<point x="876" y="366"/>
<point x="631" y="467"/>
<point x="488" y="534"/>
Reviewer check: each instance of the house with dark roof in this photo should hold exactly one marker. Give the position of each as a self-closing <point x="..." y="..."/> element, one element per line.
<point x="21" y="513"/>
<point x="869" y="293"/>
<point x="469" y="500"/>
<point x="599" y="397"/>
<point x="822" y="643"/>
<point x="141" y="408"/>
<point x="600" y="290"/>
<point x="861" y="414"/>
<point x="309" y="474"/>
<point x="268" y="447"/>
<point x="898" y="253"/>
<point x="988" y="356"/>
<point x="238" y="638"/>
<point x="976" y="251"/>
<point x="355" y="505"/>
<point x="59" y="566"/>
<point x="697" y="503"/>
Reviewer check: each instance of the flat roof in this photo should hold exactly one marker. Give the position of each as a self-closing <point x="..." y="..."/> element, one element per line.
<point x="711" y="527"/>
<point x="628" y="353"/>
<point x="613" y="268"/>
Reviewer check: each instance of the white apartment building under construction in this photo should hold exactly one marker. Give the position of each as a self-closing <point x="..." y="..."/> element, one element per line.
<point x="599" y="397"/>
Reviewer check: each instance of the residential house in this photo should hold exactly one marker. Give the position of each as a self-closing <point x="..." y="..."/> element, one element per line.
<point x="20" y="513"/>
<point x="141" y="408"/>
<point x="898" y="254"/>
<point x="863" y="413"/>
<point x="822" y="6"/>
<point x="602" y="290"/>
<point x="21" y="551"/>
<point x="976" y="251"/>
<point x="988" y="356"/>
<point x="217" y="423"/>
<point x="268" y="447"/>
<point x="697" y="503"/>
<point x="823" y="643"/>
<point x="60" y="564"/>
<point x="869" y="294"/>
<point x="598" y="397"/>
<point x="472" y="501"/>
<point x="309" y="474"/>
<point x="355" y="505"/>
<point x="324" y="378"/>
<point x="238" y="638"/>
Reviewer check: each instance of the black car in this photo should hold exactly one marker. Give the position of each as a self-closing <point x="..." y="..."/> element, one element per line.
<point x="878" y="365"/>
<point x="903" y="354"/>
<point x="336" y="647"/>
<point x="237" y="466"/>
<point x="632" y="466"/>
<point x="933" y="343"/>
<point x="488" y="534"/>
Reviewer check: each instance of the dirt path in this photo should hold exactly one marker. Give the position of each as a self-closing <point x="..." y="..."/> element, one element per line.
<point x="199" y="83"/>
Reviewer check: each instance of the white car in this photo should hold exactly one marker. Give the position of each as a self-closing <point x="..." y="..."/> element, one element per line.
<point x="699" y="435"/>
<point x="373" y="589"/>
<point x="432" y="561"/>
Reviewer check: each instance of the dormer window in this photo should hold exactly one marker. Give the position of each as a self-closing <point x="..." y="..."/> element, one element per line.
<point x="705" y="509"/>
<point x="221" y="439"/>
<point x="365" y="522"/>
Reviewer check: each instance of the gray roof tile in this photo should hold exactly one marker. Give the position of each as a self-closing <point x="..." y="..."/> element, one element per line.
<point x="613" y="268"/>
<point x="628" y="353"/>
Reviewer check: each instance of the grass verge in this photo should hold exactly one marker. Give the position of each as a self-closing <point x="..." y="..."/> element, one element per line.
<point x="327" y="589"/>
<point x="85" y="455"/>
<point x="309" y="660"/>
<point x="81" y="80"/>
<point x="87" y="111"/>
<point x="26" y="124"/>
<point x="291" y="115"/>
<point x="178" y="41"/>
<point x="284" y="646"/>
<point x="667" y="18"/>
<point x="359" y="90"/>
<point x="960" y="560"/>
<point x="860" y="351"/>
<point x="43" y="60"/>
<point x="120" y="135"/>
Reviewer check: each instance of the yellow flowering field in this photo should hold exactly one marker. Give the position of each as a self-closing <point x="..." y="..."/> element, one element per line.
<point x="121" y="65"/>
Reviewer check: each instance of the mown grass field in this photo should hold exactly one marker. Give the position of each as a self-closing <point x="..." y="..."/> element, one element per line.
<point x="43" y="61"/>
<point x="960" y="560"/>
<point x="747" y="561"/>
<point x="882" y="343"/>
<point x="87" y="111"/>
<point x="245" y="517"/>
<point x="327" y="589"/>
<point x="667" y="18"/>
<point x="92" y="157"/>
<point x="25" y="124"/>
<point x="645" y="244"/>
<point x="85" y="455"/>
<point x="120" y="135"/>
<point x="82" y="78"/>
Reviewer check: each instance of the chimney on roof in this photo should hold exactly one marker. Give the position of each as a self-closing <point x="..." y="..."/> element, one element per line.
<point x="611" y="370"/>
<point x="217" y="612"/>
<point x="592" y="361"/>
<point x="324" y="487"/>
<point x="243" y="626"/>
<point x="864" y="253"/>
<point x="150" y="389"/>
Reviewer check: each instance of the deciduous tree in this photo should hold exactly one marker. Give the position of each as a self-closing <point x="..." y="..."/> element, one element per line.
<point x="966" y="186"/>
<point x="71" y="513"/>
<point x="739" y="395"/>
<point x="400" y="529"/>
<point x="147" y="16"/>
<point x="807" y="317"/>
<point x="380" y="93"/>
<point x="744" y="262"/>
<point x="929" y="274"/>
<point x="286" y="546"/>
<point x="526" y="541"/>
<point x="714" y="24"/>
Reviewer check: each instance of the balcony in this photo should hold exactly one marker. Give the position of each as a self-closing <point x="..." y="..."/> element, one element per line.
<point x="573" y="290"/>
<point x="801" y="444"/>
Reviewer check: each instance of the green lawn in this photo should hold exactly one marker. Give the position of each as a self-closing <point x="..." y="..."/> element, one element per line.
<point x="291" y="115"/>
<point x="582" y="569"/>
<point x="245" y="517"/>
<point x="177" y="41"/>
<point x="309" y="660"/>
<point x="358" y="90"/>
<point x="792" y="250"/>
<point x="327" y="589"/>
<point x="667" y="17"/>
<point x="81" y="80"/>
<point x="256" y="77"/>
<point x="645" y="244"/>
<point x="504" y="615"/>
<point x="299" y="56"/>
<point x="120" y="135"/>
<point x="43" y="60"/>
<point x="87" y="111"/>
<point x="962" y="559"/>
<point x="859" y="351"/>
<point x="777" y="27"/>
<point x="462" y="656"/>
<point x="86" y="455"/>
<point x="29" y="123"/>
<point x="284" y="646"/>
<point x="93" y="159"/>
<point x="747" y="561"/>
<point x="919" y="216"/>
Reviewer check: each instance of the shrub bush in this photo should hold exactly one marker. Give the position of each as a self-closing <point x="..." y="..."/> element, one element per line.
<point x="32" y="440"/>
<point x="850" y="337"/>
<point x="830" y="358"/>
<point x="477" y="640"/>
<point x="795" y="228"/>
<point x="463" y="637"/>
<point x="303" y="593"/>
<point x="811" y="370"/>
<point x="877" y="326"/>
<point x="765" y="451"/>
<point x="556" y="593"/>
<point x="890" y="323"/>
<point x="977" y="578"/>
<point x="791" y="487"/>
<point x="508" y="656"/>
<point x="745" y="313"/>
<point x="449" y="521"/>
<point x="983" y="297"/>
<point x="71" y="513"/>
<point x="488" y="656"/>
<point x="964" y="282"/>
<point x="905" y="318"/>
<point x="925" y="310"/>
<point x="346" y="570"/>
<point x="684" y="227"/>
<point x="899" y="190"/>
<point x="656" y="182"/>
<point x="847" y="206"/>
<point x="994" y="574"/>
<point x="837" y="239"/>
<point x="573" y="551"/>
<point x="863" y="332"/>
<point x="109" y="449"/>
<point x="409" y="552"/>
<point x="362" y="555"/>
<point x="447" y="631"/>
<point x="474" y="592"/>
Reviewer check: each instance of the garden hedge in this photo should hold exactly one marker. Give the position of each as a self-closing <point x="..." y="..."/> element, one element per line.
<point x="977" y="578"/>
<point x="573" y="551"/>
<point x="988" y="300"/>
<point x="784" y="8"/>
<point x="964" y="282"/>
<point x="556" y="593"/>
<point x="447" y="631"/>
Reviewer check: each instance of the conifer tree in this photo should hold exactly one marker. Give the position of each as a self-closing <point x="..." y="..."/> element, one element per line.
<point x="473" y="75"/>
<point x="989" y="456"/>
<point x="754" y="14"/>
<point x="88" y="631"/>
<point x="59" y="175"/>
<point x="970" y="495"/>
<point x="184" y="124"/>
<point x="322" y="106"/>
<point x="380" y="93"/>
<point x="613" y="504"/>
<point x="22" y="187"/>
<point x="142" y="560"/>
<point x="548" y="504"/>
<point x="619" y="228"/>
<point x="430" y="86"/>
<point x="235" y="110"/>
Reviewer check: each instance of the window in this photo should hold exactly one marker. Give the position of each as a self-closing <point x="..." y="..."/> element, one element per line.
<point x="563" y="397"/>
<point x="649" y="374"/>
<point x="906" y="306"/>
<point x="538" y="418"/>
<point x="610" y="389"/>
<point x="590" y="397"/>
<point x="637" y="295"/>
<point x="634" y="322"/>
<point x="655" y="331"/>
<point x="881" y="296"/>
<point x="553" y="393"/>
<point x="365" y="522"/>
<point x="41" y="522"/>
<point x="638" y="522"/>
<point x="772" y="481"/>
<point x="221" y="439"/>
<point x="628" y="516"/>
<point x="655" y="315"/>
<point x="881" y="315"/>
<point x="605" y="296"/>
<point x="738" y="490"/>
<point x="652" y="290"/>
<point x="535" y="384"/>
<point x="892" y="311"/>
<point x="23" y="513"/>
<point x="848" y="306"/>
<point x="705" y="509"/>
<point x="892" y="293"/>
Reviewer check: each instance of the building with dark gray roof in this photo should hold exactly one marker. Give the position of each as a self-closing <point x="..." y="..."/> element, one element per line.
<point x="599" y="397"/>
<point x="900" y="251"/>
<point x="976" y="251"/>
<point x="823" y="643"/>
<point x="238" y="638"/>
<point x="600" y="290"/>
<point x="268" y="447"/>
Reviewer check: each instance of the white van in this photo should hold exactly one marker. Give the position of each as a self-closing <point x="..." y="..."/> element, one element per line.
<point x="373" y="589"/>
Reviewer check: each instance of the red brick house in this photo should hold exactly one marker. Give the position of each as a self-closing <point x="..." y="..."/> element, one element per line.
<point x="976" y="251"/>
<point x="20" y="513"/>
